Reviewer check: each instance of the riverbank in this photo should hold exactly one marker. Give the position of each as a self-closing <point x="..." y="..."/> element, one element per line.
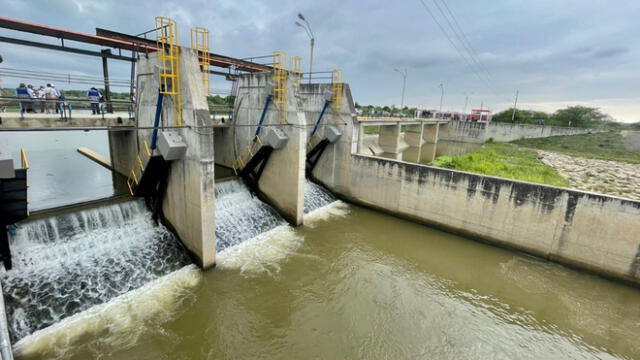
<point x="611" y="145"/>
<point x="504" y="160"/>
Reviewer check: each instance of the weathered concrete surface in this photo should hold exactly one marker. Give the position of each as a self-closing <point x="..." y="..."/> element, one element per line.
<point x="589" y="231"/>
<point x="189" y="204"/>
<point x="431" y="133"/>
<point x="82" y="119"/>
<point x="282" y="182"/>
<point x="390" y="139"/>
<point x="413" y="135"/>
<point x="480" y="133"/>
<point x="123" y="147"/>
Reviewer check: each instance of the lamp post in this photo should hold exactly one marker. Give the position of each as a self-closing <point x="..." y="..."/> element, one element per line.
<point x="441" y="97"/>
<point x="307" y="28"/>
<point x="466" y="102"/>
<point x="404" y="84"/>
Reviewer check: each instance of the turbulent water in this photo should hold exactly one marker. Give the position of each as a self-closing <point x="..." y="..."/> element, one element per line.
<point x="65" y="264"/>
<point x="315" y="197"/>
<point x="241" y="216"/>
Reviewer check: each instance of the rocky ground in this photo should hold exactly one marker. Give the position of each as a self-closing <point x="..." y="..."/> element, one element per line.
<point x="601" y="176"/>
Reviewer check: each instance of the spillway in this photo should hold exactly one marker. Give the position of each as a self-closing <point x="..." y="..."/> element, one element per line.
<point x="316" y="197"/>
<point x="68" y="263"/>
<point x="241" y="216"/>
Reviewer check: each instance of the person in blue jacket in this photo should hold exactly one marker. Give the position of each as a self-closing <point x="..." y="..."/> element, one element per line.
<point x="94" y="97"/>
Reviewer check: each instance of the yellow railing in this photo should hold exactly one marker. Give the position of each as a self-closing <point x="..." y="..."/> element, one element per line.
<point x="280" y="85"/>
<point x="23" y="159"/>
<point x="138" y="167"/>
<point x="246" y="154"/>
<point x="336" y="89"/>
<point x="200" y="42"/>
<point x="294" y="67"/>
<point x="169" y="58"/>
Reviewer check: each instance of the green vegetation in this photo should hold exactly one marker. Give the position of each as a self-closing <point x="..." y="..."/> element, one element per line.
<point x="504" y="160"/>
<point x="574" y="116"/>
<point x="391" y="110"/>
<point x="604" y="145"/>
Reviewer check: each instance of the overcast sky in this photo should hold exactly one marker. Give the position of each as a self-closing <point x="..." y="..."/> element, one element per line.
<point x="556" y="53"/>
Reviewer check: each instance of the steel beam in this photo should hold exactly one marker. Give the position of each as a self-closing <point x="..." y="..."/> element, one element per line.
<point x="63" y="48"/>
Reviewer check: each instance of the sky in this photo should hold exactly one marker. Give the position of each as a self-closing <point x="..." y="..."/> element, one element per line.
<point x="554" y="53"/>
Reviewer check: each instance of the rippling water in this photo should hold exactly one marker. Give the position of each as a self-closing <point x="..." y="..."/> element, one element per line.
<point x="370" y="286"/>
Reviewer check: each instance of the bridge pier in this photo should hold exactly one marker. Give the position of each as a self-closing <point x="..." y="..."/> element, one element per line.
<point x="431" y="132"/>
<point x="414" y="135"/>
<point x="390" y="139"/>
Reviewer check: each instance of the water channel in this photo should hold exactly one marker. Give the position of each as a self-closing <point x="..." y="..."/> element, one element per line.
<point x="351" y="283"/>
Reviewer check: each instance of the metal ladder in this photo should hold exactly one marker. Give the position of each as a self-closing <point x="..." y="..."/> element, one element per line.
<point x="169" y="59"/>
<point x="139" y="164"/>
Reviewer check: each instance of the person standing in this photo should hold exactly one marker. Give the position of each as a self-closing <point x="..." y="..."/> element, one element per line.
<point x="23" y="94"/>
<point x="40" y="98"/>
<point x="32" y="97"/>
<point x="94" y="97"/>
<point x="51" y="96"/>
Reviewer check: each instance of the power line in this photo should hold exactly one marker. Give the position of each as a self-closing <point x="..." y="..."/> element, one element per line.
<point x="466" y="41"/>
<point x="462" y="55"/>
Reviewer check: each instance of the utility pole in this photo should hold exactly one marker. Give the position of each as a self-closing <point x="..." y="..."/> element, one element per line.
<point x="307" y="28"/>
<point x="105" y="73"/>
<point x="466" y="102"/>
<point x="441" y="97"/>
<point x="404" y="84"/>
<point x="515" y="103"/>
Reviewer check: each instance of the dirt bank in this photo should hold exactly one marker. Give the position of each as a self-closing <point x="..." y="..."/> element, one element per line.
<point x="602" y="176"/>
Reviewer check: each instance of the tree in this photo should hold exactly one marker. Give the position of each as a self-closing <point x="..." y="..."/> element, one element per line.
<point x="579" y="116"/>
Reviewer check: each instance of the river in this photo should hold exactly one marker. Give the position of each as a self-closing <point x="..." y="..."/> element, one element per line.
<point x="356" y="283"/>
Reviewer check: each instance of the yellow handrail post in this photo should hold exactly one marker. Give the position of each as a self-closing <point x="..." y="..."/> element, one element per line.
<point x="23" y="159"/>
<point x="169" y="58"/>
<point x="336" y="89"/>
<point x="200" y="43"/>
<point x="280" y="85"/>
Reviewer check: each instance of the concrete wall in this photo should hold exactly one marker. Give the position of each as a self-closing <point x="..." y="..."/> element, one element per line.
<point x="480" y="133"/>
<point x="589" y="231"/>
<point x="282" y="182"/>
<point x="190" y="200"/>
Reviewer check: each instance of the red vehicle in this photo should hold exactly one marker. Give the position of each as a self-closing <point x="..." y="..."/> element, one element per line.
<point x="478" y="115"/>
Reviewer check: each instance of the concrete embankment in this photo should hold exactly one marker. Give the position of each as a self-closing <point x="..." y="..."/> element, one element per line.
<point x="594" y="232"/>
<point x="480" y="133"/>
<point x="589" y="231"/>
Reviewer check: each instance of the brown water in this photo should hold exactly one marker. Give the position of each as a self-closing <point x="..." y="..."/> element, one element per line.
<point x="367" y="286"/>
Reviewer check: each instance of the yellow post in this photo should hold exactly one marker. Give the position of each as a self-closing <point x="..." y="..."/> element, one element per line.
<point x="294" y="67"/>
<point x="336" y="89"/>
<point x="169" y="59"/>
<point x="280" y="85"/>
<point x="200" y="42"/>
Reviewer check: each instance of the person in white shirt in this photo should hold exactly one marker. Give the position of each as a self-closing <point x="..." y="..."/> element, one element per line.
<point x="51" y="96"/>
<point x="40" y="98"/>
<point x="32" y="96"/>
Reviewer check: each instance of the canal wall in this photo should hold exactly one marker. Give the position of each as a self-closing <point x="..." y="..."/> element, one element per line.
<point x="589" y="231"/>
<point x="480" y="133"/>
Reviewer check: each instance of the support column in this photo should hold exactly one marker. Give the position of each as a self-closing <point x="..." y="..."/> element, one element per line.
<point x="123" y="147"/>
<point x="413" y="135"/>
<point x="105" y="72"/>
<point x="431" y="133"/>
<point x="390" y="139"/>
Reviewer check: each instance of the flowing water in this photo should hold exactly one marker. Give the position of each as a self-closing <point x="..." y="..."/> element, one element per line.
<point x="65" y="264"/>
<point x="240" y="215"/>
<point x="369" y="286"/>
<point x="316" y="197"/>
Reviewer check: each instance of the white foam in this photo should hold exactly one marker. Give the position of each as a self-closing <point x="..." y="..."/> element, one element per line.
<point x="262" y="253"/>
<point x="334" y="209"/>
<point x="118" y="323"/>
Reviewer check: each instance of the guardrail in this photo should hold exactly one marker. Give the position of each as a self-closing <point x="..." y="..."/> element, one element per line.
<point x="63" y="107"/>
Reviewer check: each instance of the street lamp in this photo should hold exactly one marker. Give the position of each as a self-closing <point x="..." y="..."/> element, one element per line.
<point x="404" y="83"/>
<point x="441" y="97"/>
<point x="307" y="28"/>
<point x="466" y="102"/>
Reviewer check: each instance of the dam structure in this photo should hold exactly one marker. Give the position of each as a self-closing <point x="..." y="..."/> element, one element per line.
<point x="292" y="148"/>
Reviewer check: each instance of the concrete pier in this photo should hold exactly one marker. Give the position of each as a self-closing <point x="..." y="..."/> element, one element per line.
<point x="391" y="140"/>
<point x="189" y="204"/>
<point x="414" y="135"/>
<point x="282" y="182"/>
<point x="431" y="133"/>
